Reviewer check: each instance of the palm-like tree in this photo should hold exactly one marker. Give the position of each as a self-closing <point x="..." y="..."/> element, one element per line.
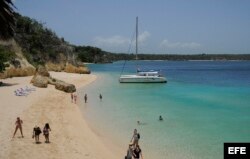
<point x="7" y="19"/>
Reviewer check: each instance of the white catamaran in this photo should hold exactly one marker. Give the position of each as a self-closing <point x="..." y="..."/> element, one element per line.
<point x="150" y="76"/>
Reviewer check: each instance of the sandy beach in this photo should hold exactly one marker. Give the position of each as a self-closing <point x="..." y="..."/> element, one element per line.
<point x="71" y="136"/>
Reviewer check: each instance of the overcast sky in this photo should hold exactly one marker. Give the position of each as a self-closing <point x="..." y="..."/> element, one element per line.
<point x="165" y="26"/>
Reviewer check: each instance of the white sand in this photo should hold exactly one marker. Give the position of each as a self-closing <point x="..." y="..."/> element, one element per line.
<point x="71" y="137"/>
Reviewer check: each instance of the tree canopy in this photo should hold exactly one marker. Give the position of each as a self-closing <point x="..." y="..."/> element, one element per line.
<point x="7" y="19"/>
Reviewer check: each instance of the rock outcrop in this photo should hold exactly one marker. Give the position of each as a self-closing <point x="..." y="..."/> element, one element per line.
<point x="69" y="88"/>
<point x="42" y="78"/>
<point x="18" y="66"/>
<point x="69" y="68"/>
<point x="40" y="81"/>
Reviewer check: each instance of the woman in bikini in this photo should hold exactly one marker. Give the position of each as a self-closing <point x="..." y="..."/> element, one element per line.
<point x="18" y="124"/>
<point x="46" y="130"/>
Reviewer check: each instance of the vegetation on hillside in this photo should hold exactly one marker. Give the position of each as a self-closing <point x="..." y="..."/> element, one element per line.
<point x="7" y="19"/>
<point x="40" y="45"/>
<point x="7" y="22"/>
<point x="179" y="57"/>
<point x="5" y="55"/>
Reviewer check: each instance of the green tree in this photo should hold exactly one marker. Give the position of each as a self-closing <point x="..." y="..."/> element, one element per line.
<point x="7" y="19"/>
<point x="7" y="22"/>
<point x="5" y="55"/>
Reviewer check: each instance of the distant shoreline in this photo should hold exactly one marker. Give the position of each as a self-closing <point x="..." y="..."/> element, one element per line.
<point x="177" y="57"/>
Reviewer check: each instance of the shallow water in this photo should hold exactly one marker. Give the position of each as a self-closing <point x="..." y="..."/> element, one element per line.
<point x="204" y="104"/>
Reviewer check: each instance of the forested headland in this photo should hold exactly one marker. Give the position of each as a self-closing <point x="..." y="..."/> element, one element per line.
<point x="39" y="45"/>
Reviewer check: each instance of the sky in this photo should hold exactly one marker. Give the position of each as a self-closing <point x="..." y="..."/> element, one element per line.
<point x="165" y="26"/>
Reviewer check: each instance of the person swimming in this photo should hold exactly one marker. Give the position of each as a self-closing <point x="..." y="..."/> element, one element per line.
<point x="160" y="118"/>
<point x="100" y="96"/>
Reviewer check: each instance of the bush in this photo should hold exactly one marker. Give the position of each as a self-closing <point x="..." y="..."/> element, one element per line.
<point x="5" y="55"/>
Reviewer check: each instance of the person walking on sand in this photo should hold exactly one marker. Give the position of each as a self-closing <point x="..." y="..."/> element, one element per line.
<point x="85" y="98"/>
<point x="100" y="96"/>
<point x="18" y="124"/>
<point x="137" y="152"/>
<point x="46" y="130"/>
<point x="135" y="138"/>
<point x="75" y="97"/>
<point x="36" y="132"/>
<point x="72" y="97"/>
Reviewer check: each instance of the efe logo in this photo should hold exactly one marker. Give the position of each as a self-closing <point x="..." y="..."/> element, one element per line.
<point x="236" y="150"/>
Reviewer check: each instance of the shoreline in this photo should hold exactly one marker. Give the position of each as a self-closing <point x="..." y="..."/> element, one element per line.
<point x="71" y="135"/>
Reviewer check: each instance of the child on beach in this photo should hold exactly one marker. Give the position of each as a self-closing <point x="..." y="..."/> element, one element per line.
<point x="46" y="130"/>
<point x="85" y="98"/>
<point x="18" y="124"/>
<point x="36" y="132"/>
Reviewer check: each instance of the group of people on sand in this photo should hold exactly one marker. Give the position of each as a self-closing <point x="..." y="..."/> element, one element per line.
<point x="134" y="151"/>
<point x="36" y="131"/>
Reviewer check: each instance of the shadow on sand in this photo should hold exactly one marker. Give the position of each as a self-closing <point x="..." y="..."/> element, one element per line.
<point x="7" y="84"/>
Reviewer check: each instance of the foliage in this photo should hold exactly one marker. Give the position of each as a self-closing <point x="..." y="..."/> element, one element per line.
<point x="7" y="19"/>
<point x="177" y="57"/>
<point x="39" y="43"/>
<point x="5" y="55"/>
<point x="91" y="54"/>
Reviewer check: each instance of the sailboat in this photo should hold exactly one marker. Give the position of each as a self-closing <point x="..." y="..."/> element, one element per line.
<point x="149" y="76"/>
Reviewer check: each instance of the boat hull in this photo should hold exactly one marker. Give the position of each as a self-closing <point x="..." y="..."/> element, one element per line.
<point x="142" y="79"/>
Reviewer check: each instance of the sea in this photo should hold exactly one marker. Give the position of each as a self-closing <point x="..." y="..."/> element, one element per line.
<point x="203" y="104"/>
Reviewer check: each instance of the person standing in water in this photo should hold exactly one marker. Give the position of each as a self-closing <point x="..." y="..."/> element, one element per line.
<point x="75" y="97"/>
<point x="18" y="124"/>
<point x="100" y="96"/>
<point x="137" y="152"/>
<point x="135" y="138"/>
<point x="160" y="118"/>
<point x="85" y="98"/>
<point x="72" y="97"/>
<point x="129" y="152"/>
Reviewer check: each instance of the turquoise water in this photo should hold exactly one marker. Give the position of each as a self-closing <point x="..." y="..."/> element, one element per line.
<point x="204" y="104"/>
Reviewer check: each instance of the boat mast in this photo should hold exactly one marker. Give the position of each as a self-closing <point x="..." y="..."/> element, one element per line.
<point x="136" y="40"/>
